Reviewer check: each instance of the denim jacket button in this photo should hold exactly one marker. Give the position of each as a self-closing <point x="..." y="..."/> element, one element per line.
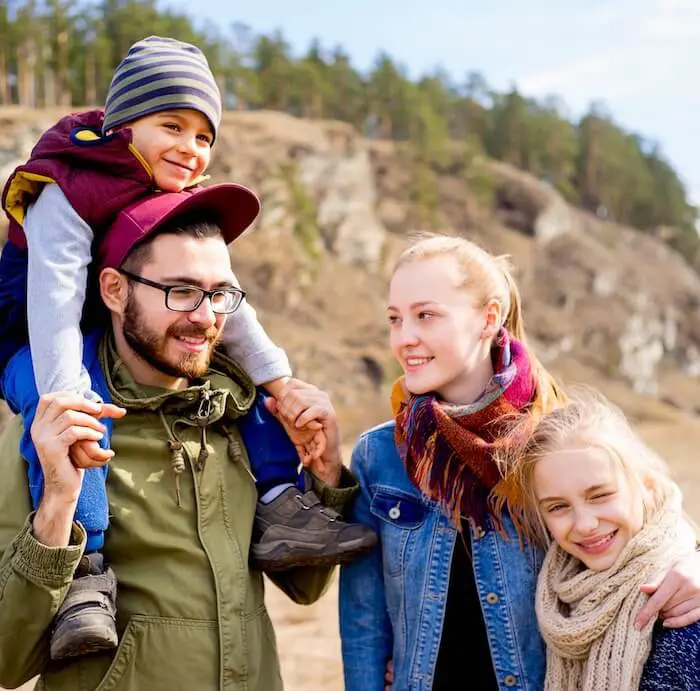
<point x="479" y="532"/>
<point x="510" y="680"/>
<point x="492" y="598"/>
<point x="394" y="512"/>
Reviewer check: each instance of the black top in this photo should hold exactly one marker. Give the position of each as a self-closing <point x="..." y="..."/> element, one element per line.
<point x="464" y="658"/>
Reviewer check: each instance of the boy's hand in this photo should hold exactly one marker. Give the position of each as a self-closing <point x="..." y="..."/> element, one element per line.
<point x="86" y="453"/>
<point x="303" y="408"/>
<point x="89" y="454"/>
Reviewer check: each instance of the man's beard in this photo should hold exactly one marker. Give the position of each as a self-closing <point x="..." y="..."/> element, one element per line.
<point x="151" y="346"/>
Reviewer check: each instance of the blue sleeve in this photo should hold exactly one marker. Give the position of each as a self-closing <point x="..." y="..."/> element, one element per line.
<point x="674" y="661"/>
<point x="365" y="629"/>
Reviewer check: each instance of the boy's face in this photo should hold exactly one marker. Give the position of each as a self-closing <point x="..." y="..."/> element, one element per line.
<point x="176" y="144"/>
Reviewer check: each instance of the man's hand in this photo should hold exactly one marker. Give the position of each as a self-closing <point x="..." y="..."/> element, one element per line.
<point x="300" y="405"/>
<point x="61" y="420"/>
<point x="309" y="439"/>
<point x="675" y="595"/>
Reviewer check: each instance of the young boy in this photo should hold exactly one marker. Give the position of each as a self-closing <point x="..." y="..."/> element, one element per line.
<point x="159" y="124"/>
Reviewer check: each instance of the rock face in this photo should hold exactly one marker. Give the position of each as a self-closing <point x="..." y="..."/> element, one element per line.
<point x="314" y="178"/>
<point x="642" y="346"/>
<point x="630" y="304"/>
<point x="603" y="303"/>
<point x="347" y="199"/>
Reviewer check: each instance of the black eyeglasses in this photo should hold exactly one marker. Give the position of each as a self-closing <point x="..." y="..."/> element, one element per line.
<point x="189" y="298"/>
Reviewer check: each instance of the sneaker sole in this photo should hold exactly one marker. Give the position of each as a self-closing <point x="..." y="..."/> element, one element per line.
<point x="283" y="555"/>
<point x="92" y="640"/>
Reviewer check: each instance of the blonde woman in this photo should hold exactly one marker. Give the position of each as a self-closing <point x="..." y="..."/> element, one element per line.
<point x="612" y="515"/>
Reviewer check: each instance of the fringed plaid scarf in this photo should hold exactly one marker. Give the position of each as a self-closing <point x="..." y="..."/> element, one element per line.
<point x="449" y="449"/>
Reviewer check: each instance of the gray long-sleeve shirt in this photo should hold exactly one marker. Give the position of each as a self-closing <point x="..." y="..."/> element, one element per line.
<point x="60" y="244"/>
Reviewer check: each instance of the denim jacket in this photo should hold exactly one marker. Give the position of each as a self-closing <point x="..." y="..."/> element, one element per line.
<point x="392" y="601"/>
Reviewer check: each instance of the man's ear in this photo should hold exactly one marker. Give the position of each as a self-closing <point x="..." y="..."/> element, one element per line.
<point x="114" y="290"/>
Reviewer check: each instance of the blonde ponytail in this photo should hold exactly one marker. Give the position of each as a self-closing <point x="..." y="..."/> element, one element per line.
<point x="514" y="321"/>
<point x="548" y="392"/>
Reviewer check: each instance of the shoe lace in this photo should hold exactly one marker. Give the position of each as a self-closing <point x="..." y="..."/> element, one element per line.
<point x="331" y="514"/>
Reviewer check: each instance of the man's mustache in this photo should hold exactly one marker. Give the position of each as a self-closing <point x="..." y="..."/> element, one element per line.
<point x="211" y="334"/>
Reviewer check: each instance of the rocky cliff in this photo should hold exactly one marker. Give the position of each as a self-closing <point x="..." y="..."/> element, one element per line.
<point x="604" y="303"/>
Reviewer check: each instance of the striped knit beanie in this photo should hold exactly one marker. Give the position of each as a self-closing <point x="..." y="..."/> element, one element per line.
<point x="161" y="74"/>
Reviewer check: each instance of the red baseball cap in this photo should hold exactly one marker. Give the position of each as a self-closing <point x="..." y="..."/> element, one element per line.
<point x="233" y="208"/>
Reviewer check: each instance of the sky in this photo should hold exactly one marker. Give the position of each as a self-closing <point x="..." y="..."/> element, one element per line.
<point x="638" y="57"/>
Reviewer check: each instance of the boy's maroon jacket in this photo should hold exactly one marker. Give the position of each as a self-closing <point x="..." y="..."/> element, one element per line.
<point x="99" y="175"/>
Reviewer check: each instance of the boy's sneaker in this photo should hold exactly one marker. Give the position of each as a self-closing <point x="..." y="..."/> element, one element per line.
<point x="85" y="623"/>
<point x="295" y="529"/>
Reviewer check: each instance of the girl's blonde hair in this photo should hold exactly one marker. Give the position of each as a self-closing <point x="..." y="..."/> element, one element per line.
<point x="588" y="419"/>
<point x="489" y="278"/>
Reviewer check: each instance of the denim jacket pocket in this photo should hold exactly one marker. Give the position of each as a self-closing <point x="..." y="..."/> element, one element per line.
<point x="401" y="515"/>
<point x="398" y="509"/>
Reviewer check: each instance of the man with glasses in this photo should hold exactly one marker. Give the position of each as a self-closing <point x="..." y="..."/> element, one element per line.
<point x="181" y="487"/>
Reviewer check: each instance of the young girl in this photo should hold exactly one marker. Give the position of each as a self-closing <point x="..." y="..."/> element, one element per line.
<point x="449" y="596"/>
<point x="613" y="517"/>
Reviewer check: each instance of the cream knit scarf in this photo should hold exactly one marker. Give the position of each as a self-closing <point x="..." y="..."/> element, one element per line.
<point x="587" y="617"/>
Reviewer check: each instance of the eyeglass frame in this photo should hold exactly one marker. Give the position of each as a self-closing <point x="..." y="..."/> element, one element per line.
<point x="203" y="293"/>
